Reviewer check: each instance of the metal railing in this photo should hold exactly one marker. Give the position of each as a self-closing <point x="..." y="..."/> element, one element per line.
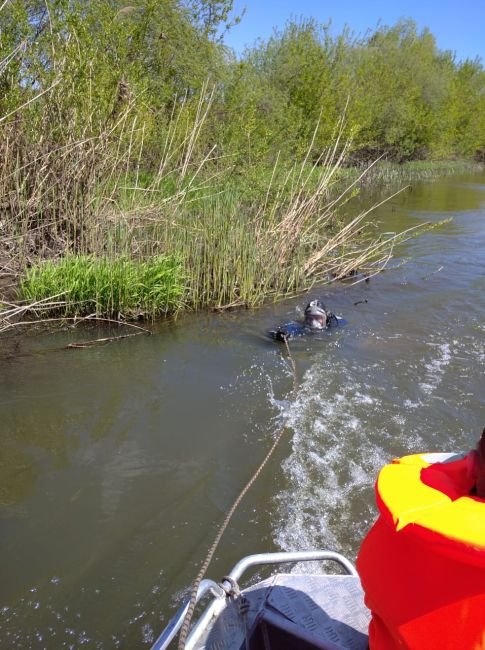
<point x="220" y="591"/>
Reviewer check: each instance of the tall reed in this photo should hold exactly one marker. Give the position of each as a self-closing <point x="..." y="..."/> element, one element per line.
<point x="237" y="245"/>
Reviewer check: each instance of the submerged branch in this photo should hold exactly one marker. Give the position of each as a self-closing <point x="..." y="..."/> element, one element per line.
<point x="102" y="341"/>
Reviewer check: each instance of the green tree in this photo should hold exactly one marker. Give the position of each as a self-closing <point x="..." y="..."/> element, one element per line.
<point x="398" y="88"/>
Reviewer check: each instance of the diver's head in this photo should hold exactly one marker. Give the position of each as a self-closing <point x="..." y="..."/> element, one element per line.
<point x="316" y="315"/>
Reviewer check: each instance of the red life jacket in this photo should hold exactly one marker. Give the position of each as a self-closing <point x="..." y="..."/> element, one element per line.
<point x="422" y="565"/>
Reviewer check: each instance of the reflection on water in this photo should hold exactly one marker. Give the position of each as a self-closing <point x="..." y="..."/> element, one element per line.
<point x="117" y="463"/>
<point x="18" y="474"/>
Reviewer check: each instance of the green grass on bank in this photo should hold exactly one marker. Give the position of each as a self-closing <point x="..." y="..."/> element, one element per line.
<point x="234" y="241"/>
<point x="120" y="288"/>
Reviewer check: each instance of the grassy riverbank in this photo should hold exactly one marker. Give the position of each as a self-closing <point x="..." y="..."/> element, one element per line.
<point x="139" y="158"/>
<point x="210" y="241"/>
<point x="87" y="229"/>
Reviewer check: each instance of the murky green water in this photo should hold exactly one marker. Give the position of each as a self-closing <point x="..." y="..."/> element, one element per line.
<point x="117" y="463"/>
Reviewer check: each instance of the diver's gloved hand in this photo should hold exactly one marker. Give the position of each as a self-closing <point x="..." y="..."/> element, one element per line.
<point x="287" y="331"/>
<point x="280" y="334"/>
<point x="332" y="320"/>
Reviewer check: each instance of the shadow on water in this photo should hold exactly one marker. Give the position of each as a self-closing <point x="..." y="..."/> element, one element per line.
<point x="117" y="463"/>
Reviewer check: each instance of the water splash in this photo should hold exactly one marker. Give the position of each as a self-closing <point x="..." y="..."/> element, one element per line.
<point x="346" y="424"/>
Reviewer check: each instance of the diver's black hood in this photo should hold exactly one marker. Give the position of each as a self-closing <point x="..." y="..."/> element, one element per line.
<point x="316" y="315"/>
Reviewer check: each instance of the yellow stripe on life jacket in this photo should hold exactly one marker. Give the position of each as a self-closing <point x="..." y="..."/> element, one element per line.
<point x="410" y="500"/>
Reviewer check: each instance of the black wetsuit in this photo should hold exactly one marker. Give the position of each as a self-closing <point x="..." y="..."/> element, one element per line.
<point x="294" y="329"/>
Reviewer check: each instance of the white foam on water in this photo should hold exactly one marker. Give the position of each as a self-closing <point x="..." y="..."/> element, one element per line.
<point x="332" y="467"/>
<point x="352" y="415"/>
<point x="478" y="347"/>
<point x="409" y="404"/>
<point x="436" y="367"/>
<point x="348" y="422"/>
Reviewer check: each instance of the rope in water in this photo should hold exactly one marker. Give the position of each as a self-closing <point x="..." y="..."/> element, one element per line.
<point x="184" y="630"/>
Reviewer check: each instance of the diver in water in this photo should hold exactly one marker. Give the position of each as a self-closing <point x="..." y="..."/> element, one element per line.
<point x="317" y="318"/>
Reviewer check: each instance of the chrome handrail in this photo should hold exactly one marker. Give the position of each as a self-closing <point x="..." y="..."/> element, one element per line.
<point x="176" y="621"/>
<point x="219" y="590"/>
<point x="296" y="556"/>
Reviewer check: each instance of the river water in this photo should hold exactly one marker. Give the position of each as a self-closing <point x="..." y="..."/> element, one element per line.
<point x="117" y="463"/>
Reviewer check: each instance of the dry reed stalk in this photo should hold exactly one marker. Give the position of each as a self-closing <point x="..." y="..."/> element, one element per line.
<point x="8" y="316"/>
<point x="303" y="206"/>
<point x="55" y="193"/>
<point x="23" y="106"/>
<point x="196" y="128"/>
<point x="76" y="320"/>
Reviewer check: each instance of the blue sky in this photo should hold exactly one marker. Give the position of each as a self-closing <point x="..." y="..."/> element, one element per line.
<point x="458" y="25"/>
